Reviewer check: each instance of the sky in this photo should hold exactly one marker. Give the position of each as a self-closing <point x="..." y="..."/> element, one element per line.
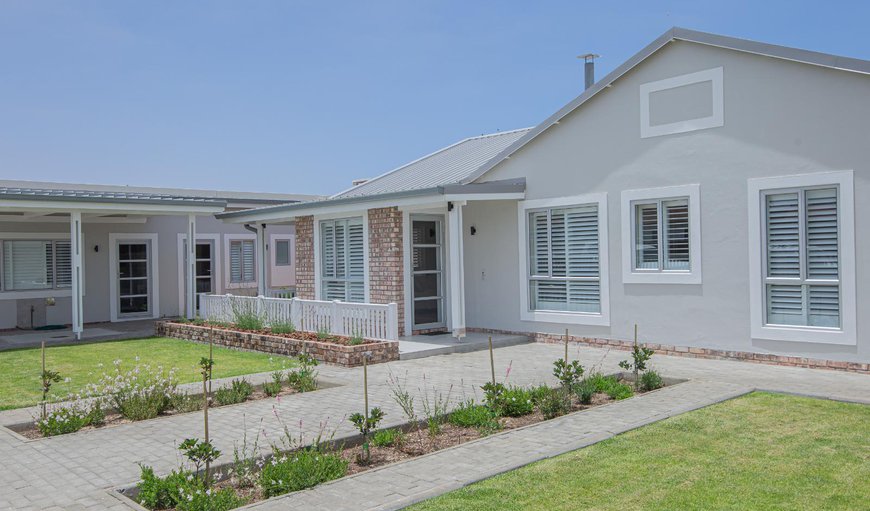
<point x="305" y="96"/>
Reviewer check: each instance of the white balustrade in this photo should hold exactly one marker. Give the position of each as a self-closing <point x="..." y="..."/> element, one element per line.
<point x="366" y="320"/>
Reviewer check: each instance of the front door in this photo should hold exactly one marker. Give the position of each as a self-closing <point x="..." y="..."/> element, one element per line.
<point x="134" y="279"/>
<point x="204" y="268"/>
<point x="427" y="259"/>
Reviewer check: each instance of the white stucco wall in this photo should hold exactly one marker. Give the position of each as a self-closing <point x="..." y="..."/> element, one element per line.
<point x="780" y="118"/>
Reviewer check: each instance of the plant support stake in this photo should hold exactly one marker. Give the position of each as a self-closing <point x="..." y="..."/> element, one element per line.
<point x="566" y="346"/>
<point x="42" y="377"/>
<point x="491" y="360"/>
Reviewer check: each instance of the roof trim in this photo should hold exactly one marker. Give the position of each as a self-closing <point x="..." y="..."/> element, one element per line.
<point x="509" y="186"/>
<point x="678" y="34"/>
<point x="44" y="196"/>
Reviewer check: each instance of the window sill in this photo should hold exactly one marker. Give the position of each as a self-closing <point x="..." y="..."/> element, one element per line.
<point x="804" y="334"/>
<point x="574" y="318"/>
<point x="662" y="277"/>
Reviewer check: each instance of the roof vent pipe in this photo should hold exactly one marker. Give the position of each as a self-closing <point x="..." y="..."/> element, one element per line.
<point x="589" y="68"/>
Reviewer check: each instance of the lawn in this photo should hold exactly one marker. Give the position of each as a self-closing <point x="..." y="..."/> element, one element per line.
<point x="761" y="451"/>
<point x="85" y="363"/>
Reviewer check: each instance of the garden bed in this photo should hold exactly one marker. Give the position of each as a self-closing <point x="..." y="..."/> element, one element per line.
<point x="466" y="423"/>
<point x="331" y="349"/>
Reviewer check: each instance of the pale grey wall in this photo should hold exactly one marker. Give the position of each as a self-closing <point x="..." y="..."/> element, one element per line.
<point x="97" y="274"/>
<point x="781" y="118"/>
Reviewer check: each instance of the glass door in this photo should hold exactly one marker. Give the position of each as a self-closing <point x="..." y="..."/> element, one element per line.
<point x="427" y="271"/>
<point x="134" y="279"/>
<point x="204" y="268"/>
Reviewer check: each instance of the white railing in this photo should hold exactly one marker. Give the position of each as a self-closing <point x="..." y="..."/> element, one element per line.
<point x="367" y="320"/>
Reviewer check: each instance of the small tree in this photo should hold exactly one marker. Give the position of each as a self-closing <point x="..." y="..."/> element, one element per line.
<point x="48" y="378"/>
<point x="200" y="453"/>
<point x="366" y="425"/>
<point x="640" y="355"/>
<point x="568" y="373"/>
<point x="206" y="365"/>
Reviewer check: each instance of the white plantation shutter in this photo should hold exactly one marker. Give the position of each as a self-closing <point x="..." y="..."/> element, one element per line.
<point x="564" y="254"/>
<point x="647" y="236"/>
<point x="248" y="260"/>
<point x="27" y="264"/>
<point x="342" y="260"/>
<point x="676" y="237"/>
<point x="802" y="279"/>
<point x="63" y="264"/>
<point x="242" y="256"/>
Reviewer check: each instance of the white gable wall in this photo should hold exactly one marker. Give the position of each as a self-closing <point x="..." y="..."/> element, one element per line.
<point x="779" y="118"/>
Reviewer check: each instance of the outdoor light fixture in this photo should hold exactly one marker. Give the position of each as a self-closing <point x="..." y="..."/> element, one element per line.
<point x="473" y="230"/>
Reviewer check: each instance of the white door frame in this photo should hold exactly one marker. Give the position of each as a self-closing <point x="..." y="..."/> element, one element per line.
<point x="215" y="261"/>
<point x="154" y="273"/>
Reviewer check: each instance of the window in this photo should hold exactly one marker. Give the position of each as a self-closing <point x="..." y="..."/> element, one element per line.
<point x="803" y="269"/>
<point x="661" y="235"/>
<point x="564" y="260"/>
<point x="282" y="253"/>
<point x="342" y="260"/>
<point x="242" y="261"/>
<point x="36" y="264"/>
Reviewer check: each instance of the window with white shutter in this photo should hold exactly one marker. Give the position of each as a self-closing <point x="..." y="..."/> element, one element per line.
<point x="563" y="260"/>
<point x="661" y="235"/>
<point x="242" y="261"/>
<point x="802" y="270"/>
<point x="36" y="264"/>
<point x="342" y="260"/>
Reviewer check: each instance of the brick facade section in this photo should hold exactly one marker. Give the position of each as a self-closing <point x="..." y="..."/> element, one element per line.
<point x="386" y="262"/>
<point x="692" y="352"/>
<point x="305" y="257"/>
<point x="330" y="353"/>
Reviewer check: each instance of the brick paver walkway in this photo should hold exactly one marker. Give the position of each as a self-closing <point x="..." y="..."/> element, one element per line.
<point x="74" y="472"/>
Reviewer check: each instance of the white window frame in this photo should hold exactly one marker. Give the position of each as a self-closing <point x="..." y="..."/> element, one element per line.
<point x="601" y="318"/>
<point x="228" y="284"/>
<point x="318" y="271"/>
<point x="56" y="292"/>
<point x="631" y="275"/>
<point x="757" y="188"/>
<point x="114" y="238"/>
<point x="716" y="119"/>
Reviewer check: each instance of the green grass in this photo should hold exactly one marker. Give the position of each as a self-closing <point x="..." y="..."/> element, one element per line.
<point x="761" y="451"/>
<point x="20" y="369"/>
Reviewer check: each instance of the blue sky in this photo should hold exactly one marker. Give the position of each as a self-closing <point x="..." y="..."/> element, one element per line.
<point x="302" y="97"/>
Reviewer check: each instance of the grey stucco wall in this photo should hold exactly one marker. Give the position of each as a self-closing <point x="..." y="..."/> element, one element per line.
<point x="781" y="118"/>
<point x="97" y="272"/>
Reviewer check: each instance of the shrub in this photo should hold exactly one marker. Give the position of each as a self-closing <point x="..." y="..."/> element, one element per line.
<point x="508" y="402"/>
<point x="650" y="380"/>
<point x="323" y="334"/>
<point x="304" y="379"/>
<point x="183" y="491"/>
<point x="640" y="355"/>
<point x="299" y="470"/>
<point x="598" y="383"/>
<point x="620" y="390"/>
<point x="568" y="373"/>
<point x="554" y="403"/>
<point x="272" y="388"/>
<point x="138" y="394"/>
<point x="183" y="402"/>
<point x="282" y="327"/>
<point x="70" y="418"/>
<point x="248" y="321"/>
<point x="538" y="393"/>
<point x="365" y="424"/>
<point x="238" y="391"/>
<point x="471" y="415"/>
<point x="388" y="438"/>
<point x="584" y="391"/>
<point x="356" y="340"/>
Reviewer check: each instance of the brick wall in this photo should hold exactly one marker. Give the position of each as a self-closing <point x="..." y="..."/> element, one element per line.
<point x="305" y="257"/>
<point x="386" y="264"/>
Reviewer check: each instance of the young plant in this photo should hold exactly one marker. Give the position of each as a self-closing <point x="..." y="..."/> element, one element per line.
<point x="323" y="334"/>
<point x="282" y="327"/>
<point x="650" y="380"/>
<point x="568" y="373"/>
<point x="365" y="425"/>
<point x="48" y="378"/>
<point x="640" y="355"/>
<point x="245" y="459"/>
<point x="304" y="379"/>
<point x="238" y="392"/>
<point x="356" y="340"/>
<point x="273" y="388"/>
<point x="201" y="454"/>
<point x="554" y="402"/>
<point x="435" y="408"/>
<point x="402" y="396"/>
<point x="388" y="438"/>
<point x="471" y="415"/>
<point x="301" y="469"/>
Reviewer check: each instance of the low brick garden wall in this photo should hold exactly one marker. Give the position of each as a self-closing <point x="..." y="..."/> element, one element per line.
<point x="330" y="353"/>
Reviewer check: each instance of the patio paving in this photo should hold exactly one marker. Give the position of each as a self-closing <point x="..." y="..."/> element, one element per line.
<point x="74" y="472"/>
<point x="419" y="346"/>
<point x="93" y="332"/>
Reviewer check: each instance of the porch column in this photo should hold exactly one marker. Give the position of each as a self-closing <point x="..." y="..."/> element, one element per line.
<point x="191" y="267"/>
<point x="75" y="238"/>
<point x="261" y="259"/>
<point x="457" y="269"/>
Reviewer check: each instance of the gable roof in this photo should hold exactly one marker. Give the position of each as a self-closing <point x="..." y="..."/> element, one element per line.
<point x="446" y="166"/>
<point x="676" y="34"/>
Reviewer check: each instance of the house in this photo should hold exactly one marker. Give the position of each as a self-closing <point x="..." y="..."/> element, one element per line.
<point x="708" y="190"/>
<point x="78" y="253"/>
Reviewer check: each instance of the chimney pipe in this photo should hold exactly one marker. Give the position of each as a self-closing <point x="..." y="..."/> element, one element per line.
<point x="589" y="68"/>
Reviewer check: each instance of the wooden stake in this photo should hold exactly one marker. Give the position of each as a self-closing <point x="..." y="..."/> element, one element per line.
<point x="636" y="378"/>
<point x="210" y="356"/>
<point x="366" y="384"/>
<point x="42" y="379"/>
<point x="491" y="360"/>
<point x="205" y="412"/>
<point x="566" y="346"/>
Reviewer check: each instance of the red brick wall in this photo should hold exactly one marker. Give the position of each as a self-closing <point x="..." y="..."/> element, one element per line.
<point x="386" y="263"/>
<point x="305" y="257"/>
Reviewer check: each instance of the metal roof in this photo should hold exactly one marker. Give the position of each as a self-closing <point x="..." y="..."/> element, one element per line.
<point x="445" y="166"/>
<point x="62" y="195"/>
<point x="677" y="34"/>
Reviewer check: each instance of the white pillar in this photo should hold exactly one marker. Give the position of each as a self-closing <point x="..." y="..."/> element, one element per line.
<point x="190" y="307"/>
<point x="76" y="250"/>
<point x="261" y="259"/>
<point x="457" y="270"/>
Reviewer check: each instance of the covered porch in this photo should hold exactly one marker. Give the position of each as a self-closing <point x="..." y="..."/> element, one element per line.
<point x="44" y="249"/>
